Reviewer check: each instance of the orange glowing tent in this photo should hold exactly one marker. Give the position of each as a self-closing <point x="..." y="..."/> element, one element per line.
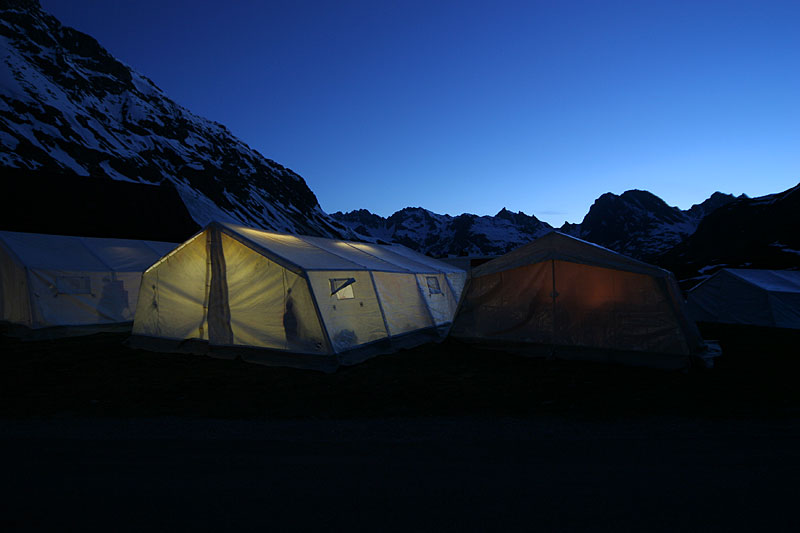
<point x="564" y="297"/>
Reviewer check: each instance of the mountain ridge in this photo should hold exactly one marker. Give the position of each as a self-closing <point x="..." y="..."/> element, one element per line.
<point x="636" y="222"/>
<point x="68" y="104"/>
<point x="760" y="232"/>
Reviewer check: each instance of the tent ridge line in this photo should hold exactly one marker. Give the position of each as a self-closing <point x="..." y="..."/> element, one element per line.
<point x="378" y="258"/>
<point x="93" y="254"/>
<point x="392" y="252"/>
<point x="148" y="245"/>
<point x="282" y="261"/>
<point x="181" y="246"/>
<point x="652" y="271"/>
<point x="363" y="267"/>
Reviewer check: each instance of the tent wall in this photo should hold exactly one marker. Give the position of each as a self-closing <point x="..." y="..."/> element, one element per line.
<point x="215" y="288"/>
<point x="514" y="305"/>
<point x="15" y="305"/>
<point x="62" y="281"/>
<point x="458" y="281"/>
<point x="439" y="297"/>
<point x="174" y="294"/>
<point x="571" y="304"/>
<point x="614" y="309"/>
<point x="785" y="309"/>
<point x="71" y="298"/>
<point x="689" y="327"/>
<point x="736" y="297"/>
<point x="402" y="302"/>
<point x="270" y="306"/>
<point x="350" y="322"/>
<point x="334" y="302"/>
<point x="729" y="299"/>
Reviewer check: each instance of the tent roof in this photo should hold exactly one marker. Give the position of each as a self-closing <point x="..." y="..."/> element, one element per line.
<point x="558" y="246"/>
<point x="59" y="252"/>
<point x="769" y="280"/>
<point x="317" y="253"/>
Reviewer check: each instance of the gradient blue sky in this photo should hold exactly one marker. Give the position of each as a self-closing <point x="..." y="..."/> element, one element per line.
<point x="473" y="106"/>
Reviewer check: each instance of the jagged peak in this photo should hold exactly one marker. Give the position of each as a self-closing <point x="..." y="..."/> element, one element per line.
<point x="415" y="211"/>
<point x="356" y="212"/>
<point x="88" y="112"/>
<point x="410" y="209"/>
<point x="509" y="215"/>
<point x="644" y="198"/>
<point x="713" y="202"/>
<point x="630" y="195"/>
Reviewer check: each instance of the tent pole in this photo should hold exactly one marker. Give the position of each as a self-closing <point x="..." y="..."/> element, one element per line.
<point x="380" y="305"/>
<point x="425" y="299"/>
<point x="207" y="293"/>
<point x="319" y="314"/>
<point x="30" y="295"/>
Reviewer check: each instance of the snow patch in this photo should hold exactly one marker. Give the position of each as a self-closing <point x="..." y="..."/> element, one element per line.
<point x="784" y="248"/>
<point x="202" y="209"/>
<point x="8" y="140"/>
<point x="708" y="268"/>
<point x="113" y="174"/>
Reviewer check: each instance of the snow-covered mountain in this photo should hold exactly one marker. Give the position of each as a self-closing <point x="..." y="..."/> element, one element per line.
<point x="442" y="235"/>
<point x="640" y="224"/>
<point x="761" y="232"/>
<point x="636" y="223"/>
<point x="67" y="104"/>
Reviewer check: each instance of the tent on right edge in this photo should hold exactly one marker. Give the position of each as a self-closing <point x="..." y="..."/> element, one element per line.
<point x="563" y="297"/>
<point x="748" y="297"/>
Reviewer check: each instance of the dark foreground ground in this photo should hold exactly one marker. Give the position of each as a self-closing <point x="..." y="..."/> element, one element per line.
<point x="94" y="435"/>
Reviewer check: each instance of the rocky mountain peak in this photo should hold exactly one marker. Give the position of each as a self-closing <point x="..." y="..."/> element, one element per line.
<point x="712" y="203"/>
<point x="442" y="235"/>
<point x="66" y="104"/>
<point x="639" y="223"/>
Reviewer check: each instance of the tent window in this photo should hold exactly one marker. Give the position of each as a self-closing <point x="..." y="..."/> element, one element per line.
<point x="433" y="285"/>
<point x="342" y="288"/>
<point x="74" y="285"/>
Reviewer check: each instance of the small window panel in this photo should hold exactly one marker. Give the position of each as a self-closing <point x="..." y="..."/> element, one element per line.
<point x="433" y="285"/>
<point x="342" y="288"/>
<point x="74" y="285"/>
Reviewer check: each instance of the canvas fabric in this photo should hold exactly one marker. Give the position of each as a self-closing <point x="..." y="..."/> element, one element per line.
<point x="237" y="286"/>
<point x="576" y="294"/>
<point x="767" y="298"/>
<point x="53" y="280"/>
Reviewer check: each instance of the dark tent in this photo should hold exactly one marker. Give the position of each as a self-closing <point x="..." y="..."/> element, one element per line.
<point x="569" y="298"/>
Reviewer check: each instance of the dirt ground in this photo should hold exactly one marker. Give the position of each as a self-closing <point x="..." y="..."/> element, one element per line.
<point x="98" y="376"/>
<point x="94" y="435"/>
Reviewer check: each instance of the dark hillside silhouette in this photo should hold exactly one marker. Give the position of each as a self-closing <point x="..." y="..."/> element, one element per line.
<point x="68" y="204"/>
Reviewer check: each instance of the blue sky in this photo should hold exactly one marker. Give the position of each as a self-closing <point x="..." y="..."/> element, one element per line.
<point x="474" y="106"/>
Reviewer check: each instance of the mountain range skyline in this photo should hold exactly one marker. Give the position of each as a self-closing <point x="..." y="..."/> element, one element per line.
<point x="68" y="105"/>
<point x="536" y="107"/>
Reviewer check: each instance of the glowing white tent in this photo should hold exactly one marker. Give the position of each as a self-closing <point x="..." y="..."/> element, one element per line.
<point x="750" y="297"/>
<point x="302" y="301"/>
<point x="77" y="284"/>
<point x="574" y="299"/>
